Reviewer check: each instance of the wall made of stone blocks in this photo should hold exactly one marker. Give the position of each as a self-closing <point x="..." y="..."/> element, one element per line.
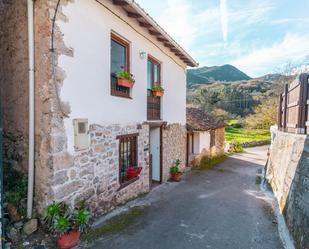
<point x="93" y="174"/>
<point x="14" y="79"/>
<point x="288" y="175"/>
<point x="174" y="142"/>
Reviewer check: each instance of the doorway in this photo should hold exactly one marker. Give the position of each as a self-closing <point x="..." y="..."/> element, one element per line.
<point x="155" y="152"/>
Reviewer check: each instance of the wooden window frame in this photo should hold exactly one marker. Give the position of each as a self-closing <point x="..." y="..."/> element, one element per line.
<point x="157" y="62"/>
<point x="133" y="137"/>
<point x="125" y="93"/>
<point x="212" y="138"/>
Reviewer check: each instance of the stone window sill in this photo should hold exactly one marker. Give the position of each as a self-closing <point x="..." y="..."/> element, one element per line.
<point x="127" y="183"/>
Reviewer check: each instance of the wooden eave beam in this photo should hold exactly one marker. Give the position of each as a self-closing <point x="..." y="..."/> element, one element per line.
<point x="168" y="45"/>
<point x="145" y="24"/>
<point x="120" y="3"/>
<point x="160" y="39"/>
<point x="156" y="33"/>
<point x="133" y="14"/>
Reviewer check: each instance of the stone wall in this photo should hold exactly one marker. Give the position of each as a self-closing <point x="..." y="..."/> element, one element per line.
<point x="14" y="79"/>
<point x="288" y="175"/>
<point x="174" y="142"/>
<point x="94" y="173"/>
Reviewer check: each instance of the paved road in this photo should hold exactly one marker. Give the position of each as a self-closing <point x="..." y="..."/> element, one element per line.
<point x="216" y="209"/>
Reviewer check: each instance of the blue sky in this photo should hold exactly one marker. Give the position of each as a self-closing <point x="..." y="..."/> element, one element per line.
<point x="257" y="36"/>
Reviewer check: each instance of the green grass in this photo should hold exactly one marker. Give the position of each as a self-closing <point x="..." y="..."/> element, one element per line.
<point x="242" y="135"/>
<point x="115" y="225"/>
<point x="209" y="163"/>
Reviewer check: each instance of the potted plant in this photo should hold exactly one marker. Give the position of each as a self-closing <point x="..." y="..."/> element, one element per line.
<point x="157" y="91"/>
<point x="67" y="224"/>
<point x="175" y="172"/>
<point x="133" y="171"/>
<point x="124" y="78"/>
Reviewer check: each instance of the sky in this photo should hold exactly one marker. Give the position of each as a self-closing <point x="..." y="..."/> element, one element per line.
<point x="257" y="36"/>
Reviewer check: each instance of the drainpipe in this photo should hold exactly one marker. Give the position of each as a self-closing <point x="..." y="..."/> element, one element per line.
<point x="30" y="5"/>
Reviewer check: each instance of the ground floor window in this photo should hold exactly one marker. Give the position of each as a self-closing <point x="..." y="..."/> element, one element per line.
<point x="128" y="155"/>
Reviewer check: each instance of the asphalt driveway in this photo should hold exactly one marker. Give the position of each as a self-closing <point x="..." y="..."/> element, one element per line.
<point x="221" y="208"/>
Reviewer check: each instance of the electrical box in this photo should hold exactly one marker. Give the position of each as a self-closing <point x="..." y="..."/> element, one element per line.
<point x="81" y="134"/>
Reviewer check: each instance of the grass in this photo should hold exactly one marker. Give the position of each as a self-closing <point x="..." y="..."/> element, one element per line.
<point x="207" y="163"/>
<point x="115" y="225"/>
<point x="242" y="135"/>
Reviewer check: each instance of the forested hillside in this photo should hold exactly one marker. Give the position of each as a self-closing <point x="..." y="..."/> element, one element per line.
<point x="236" y="99"/>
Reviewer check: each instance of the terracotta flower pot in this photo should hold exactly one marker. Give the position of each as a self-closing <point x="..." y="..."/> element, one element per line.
<point x="176" y="177"/>
<point x="125" y="82"/>
<point x="157" y="93"/>
<point x="133" y="173"/>
<point x="68" y="240"/>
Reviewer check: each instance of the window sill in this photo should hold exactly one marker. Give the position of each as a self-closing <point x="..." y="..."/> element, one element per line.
<point x="127" y="183"/>
<point x="121" y="96"/>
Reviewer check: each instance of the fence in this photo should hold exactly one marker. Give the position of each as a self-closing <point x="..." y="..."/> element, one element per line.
<point x="293" y="115"/>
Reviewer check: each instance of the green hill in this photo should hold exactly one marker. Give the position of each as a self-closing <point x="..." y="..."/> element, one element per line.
<point x="206" y="75"/>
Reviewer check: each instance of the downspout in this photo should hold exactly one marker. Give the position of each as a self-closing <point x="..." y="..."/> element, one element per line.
<point x="30" y="5"/>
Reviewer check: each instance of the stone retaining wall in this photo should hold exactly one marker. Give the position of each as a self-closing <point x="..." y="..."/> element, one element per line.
<point x="288" y="175"/>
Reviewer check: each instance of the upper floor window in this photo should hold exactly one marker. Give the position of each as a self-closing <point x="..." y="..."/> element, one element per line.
<point x="153" y="72"/>
<point x="120" y="60"/>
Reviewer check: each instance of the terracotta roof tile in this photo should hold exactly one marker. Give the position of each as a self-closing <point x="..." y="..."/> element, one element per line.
<point x="199" y="120"/>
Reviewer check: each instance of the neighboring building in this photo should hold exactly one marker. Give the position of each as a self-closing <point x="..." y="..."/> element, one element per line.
<point x="205" y="135"/>
<point x="88" y="129"/>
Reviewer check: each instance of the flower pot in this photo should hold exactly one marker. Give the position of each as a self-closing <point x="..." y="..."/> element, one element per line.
<point x="68" y="240"/>
<point x="176" y="177"/>
<point x="157" y="93"/>
<point x="133" y="173"/>
<point x="125" y="82"/>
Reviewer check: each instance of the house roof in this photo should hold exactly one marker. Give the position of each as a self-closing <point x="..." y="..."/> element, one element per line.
<point x="197" y="120"/>
<point x="133" y="10"/>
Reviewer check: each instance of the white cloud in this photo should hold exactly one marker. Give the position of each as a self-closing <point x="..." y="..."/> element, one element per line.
<point x="224" y="19"/>
<point x="293" y="48"/>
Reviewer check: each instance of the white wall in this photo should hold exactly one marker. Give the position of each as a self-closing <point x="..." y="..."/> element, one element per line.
<point x="87" y="83"/>
<point x="201" y="141"/>
<point x="204" y="141"/>
<point x="196" y="143"/>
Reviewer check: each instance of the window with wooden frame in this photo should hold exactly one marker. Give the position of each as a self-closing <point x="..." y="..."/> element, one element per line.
<point x="153" y="72"/>
<point x="153" y="78"/>
<point x="128" y="155"/>
<point x="212" y="138"/>
<point x="120" y="60"/>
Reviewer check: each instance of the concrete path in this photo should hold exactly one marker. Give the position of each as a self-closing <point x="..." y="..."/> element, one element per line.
<point x="216" y="209"/>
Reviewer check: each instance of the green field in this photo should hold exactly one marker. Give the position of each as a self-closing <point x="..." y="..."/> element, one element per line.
<point x="242" y="135"/>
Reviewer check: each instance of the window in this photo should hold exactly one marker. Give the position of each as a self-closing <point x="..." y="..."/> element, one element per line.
<point x="153" y="72"/>
<point x="128" y="155"/>
<point x="212" y="138"/>
<point x="120" y="58"/>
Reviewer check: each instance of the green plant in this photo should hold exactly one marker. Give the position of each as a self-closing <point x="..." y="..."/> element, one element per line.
<point x="82" y="217"/>
<point x="62" y="224"/>
<point x="157" y="88"/>
<point x="125" y="75"/>
<point x="175" y="167"/>
<point x="53" y="210"/>
<point x="61" y="219"/>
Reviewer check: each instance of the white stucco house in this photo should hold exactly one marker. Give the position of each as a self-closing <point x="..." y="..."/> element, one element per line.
<point x="89" y="130"/>
<point x="205" y="135"/>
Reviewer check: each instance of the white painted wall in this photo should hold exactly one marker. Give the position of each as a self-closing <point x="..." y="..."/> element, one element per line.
<point x="87" y="83"/>
<point x="196" y="143"/>
<point x="204" y="141"/>
<point x="201" y="141"/>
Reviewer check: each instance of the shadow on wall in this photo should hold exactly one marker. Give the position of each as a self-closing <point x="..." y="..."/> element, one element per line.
<point x="288" y="174"/>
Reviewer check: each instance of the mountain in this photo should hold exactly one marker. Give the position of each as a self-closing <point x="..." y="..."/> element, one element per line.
<point x="206" y="75"/>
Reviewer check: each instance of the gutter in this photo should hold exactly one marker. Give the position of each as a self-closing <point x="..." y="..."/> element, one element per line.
<point x="30" y="4"/>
